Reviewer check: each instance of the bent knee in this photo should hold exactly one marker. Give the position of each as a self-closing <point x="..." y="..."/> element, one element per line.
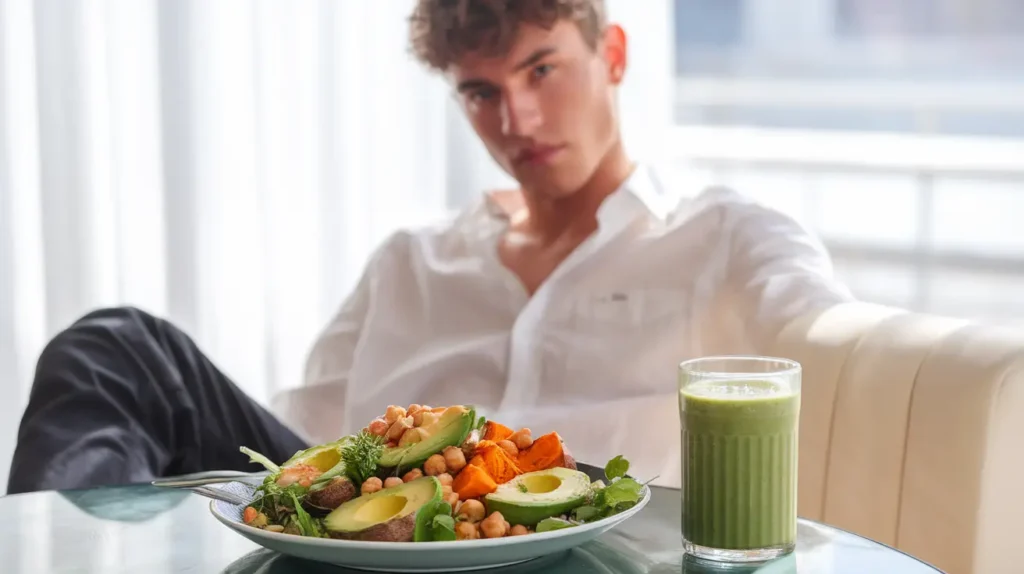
<point x="113" y="316"/>
<point x="98" y="332"/>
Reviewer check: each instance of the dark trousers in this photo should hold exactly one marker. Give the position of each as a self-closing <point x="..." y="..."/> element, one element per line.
<point x="123" y="397"/>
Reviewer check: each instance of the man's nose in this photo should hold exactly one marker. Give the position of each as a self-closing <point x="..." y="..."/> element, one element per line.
<point x="520" y="115"/>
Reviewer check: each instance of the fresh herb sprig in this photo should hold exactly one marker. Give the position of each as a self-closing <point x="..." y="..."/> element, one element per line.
<point x="362" y="455"/>
<point x="442" y="527"/>
<point x="619" y="494"/>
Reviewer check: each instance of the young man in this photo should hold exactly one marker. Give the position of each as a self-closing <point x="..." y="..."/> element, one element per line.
<point x="563" y="305"/>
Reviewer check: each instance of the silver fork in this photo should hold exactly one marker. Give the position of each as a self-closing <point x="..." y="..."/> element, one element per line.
<point x="222" y="495"/>
<point x="199" y="483"/>
<point x="211" y="477"/>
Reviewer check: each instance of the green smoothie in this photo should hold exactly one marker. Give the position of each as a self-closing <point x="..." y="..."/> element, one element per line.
<point x="739" y="441"/>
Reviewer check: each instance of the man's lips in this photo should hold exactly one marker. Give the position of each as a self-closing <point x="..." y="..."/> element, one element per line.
<point x="538" y="154"/>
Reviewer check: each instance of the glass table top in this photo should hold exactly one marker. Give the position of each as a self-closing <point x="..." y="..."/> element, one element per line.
<point x="135" y="529"/>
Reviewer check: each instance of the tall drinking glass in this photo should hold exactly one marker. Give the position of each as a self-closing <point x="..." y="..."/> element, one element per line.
<point x="739" y="421"/>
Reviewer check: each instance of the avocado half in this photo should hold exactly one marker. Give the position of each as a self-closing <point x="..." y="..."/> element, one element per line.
<point x="531" y="497"/>
<point x="389" y="515"/>
<point x="325" y="457"/>
<point x="331" y="488"/>
<point x="450" y="429"/>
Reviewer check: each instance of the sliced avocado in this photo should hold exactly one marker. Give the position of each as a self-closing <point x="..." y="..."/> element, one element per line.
<point x="325" y="457"/>
<point x="450" y="429"/>
<point x="531" y="497"/>
<point x="388" y="515"/>
<point x="331" y="488"/>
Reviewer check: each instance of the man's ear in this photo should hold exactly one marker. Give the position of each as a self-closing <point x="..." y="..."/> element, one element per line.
<point x="615" y="52"/>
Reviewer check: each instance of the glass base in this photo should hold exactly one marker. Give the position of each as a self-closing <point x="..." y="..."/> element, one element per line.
<point x="736" y="556"/>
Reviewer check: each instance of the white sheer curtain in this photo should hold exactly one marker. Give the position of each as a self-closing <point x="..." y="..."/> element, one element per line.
<point x="229" y="164"/>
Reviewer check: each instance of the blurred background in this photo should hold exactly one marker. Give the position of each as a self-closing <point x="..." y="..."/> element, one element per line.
<point x="231" y="164"/>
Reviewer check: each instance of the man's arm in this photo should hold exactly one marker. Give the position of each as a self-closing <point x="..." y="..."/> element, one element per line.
<point x="777" y="271"/>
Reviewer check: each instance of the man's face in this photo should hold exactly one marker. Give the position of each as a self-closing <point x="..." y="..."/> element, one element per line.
<point x="545" y="110"/>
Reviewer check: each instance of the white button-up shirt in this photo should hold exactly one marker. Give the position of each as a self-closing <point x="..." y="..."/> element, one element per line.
<point x="437" y="319"/>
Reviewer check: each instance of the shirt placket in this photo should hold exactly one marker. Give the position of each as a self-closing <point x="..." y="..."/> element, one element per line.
<point x="526" y="341"/>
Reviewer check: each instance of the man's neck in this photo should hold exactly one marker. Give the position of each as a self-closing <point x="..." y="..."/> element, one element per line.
<point x="550" y="218"/>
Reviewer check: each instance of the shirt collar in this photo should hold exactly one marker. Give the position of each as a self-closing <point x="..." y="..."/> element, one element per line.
<point x="642" y="191"/>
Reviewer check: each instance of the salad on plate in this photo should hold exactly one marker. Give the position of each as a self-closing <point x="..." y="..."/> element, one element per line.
<point x="424" y="474"/>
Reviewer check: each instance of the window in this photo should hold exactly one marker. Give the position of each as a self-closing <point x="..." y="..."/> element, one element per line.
<point x="894" y="129"/>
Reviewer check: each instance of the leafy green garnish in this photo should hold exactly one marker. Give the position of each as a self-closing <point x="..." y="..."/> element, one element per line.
<point x="427" y="526"/>
<point x="361" y="456"/>
<point x="443" y="527"/>
<point x="616" y="468"/>
<point x="275" y="501"/>
<point x="549" y="524"/>
<point x="306" y="524"/>
<point x="604" y="500"/>
<point x="261" y="459"/>
<point x="622" y="491"/>
<point x="586" y="513"/>
<point x="522" y="487"/>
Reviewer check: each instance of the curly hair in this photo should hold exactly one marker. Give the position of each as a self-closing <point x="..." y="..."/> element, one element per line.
<point x="442" y="31"/>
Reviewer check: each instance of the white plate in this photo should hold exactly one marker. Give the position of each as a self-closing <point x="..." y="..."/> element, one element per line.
<point x="456" y="556"/>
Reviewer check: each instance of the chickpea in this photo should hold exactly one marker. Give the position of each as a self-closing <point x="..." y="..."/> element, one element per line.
<point x="393" y="414"/>
<point x="522" y="439"/>
<point x="412" y="475"/>
<point x="509" y="447"/>
<point x="435" y="466"/>
<point x="454" y="458"/>
<point x="426" y="418"/>
<point x="445" y="478"/>
<point x="413" y="409"/>
<point x="378" y="427"/>
<point x="372" y="484"/>
<point x="472" y="509"/>
<point x="466" y="531"/>
<point x="493" y="526"/>
<point x="518" y="530"/>
<point x="399" y="427"/>
<point x="446" y="489"/>
<point x="392" y="481"/>
<point x="411" y="436"/>
<point x="452" y="498"/>
<point x="260" y="521"/>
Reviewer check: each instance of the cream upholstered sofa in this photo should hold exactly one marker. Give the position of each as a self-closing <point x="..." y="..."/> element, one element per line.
<point x="912" y="432"/>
